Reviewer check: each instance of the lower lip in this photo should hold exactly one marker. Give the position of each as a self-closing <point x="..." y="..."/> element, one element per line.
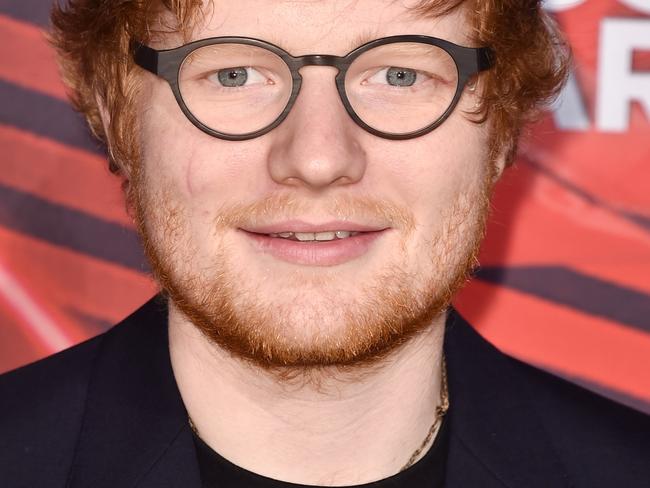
<point x="316" y="253"/>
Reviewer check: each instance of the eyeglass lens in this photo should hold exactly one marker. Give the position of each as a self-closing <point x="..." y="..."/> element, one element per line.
<point x="394" y="88"/>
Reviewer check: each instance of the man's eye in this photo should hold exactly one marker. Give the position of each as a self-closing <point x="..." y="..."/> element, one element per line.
<point x="396" y="76"/>
<point x="236" y="77"/>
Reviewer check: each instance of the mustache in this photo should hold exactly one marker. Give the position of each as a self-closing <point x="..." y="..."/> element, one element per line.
<point x="280" y="207"/>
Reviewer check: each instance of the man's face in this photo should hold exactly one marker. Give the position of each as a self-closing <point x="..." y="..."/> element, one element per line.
<point x="207" y="205"/>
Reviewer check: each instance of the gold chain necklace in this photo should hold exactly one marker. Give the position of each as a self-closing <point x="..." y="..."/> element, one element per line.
<point x="441" y="410"/>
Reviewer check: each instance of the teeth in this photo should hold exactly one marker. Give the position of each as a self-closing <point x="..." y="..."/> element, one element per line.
<point x="304" y="236"/>
<point x="324" y="236"/>
<point x="315" y="236"/>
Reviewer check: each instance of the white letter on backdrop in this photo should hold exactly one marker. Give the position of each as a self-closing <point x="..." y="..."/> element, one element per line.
<point x="569" y="111"/>
<point x="640" y="5"/>
<point x="618" y="84"/>
<point x="560" y="5"/>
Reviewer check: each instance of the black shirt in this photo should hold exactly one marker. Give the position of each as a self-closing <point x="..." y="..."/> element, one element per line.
<point x="218" y="472"/>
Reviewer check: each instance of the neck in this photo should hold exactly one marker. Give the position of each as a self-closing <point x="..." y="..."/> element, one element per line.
<point x="345" y="427"/>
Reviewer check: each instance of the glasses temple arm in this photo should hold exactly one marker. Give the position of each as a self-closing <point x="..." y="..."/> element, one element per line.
<point x="145" y="57"/>
<point x="485" y="58"/>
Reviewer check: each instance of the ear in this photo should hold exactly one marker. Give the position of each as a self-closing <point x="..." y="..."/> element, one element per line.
<point x="104" y="115"/>
<point x="115" y="165"/>
<point x="499" y="164"/>
<point x="500" y="161"/>
<point x="472" y="84"/>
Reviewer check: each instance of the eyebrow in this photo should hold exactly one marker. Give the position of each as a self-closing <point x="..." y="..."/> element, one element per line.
<point x="359" y="39"/>
<point x="363" y="37"/>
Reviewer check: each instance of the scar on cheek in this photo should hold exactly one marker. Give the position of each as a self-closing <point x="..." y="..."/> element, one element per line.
<point x="191" y="171"/>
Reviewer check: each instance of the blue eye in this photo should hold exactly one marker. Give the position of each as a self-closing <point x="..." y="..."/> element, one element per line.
<point x="395" y="76"/>
<point x="400" y="76"/>
<point x="237" y="77"/>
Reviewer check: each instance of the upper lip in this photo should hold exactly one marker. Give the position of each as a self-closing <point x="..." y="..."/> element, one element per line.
<point x="302" y="226"/>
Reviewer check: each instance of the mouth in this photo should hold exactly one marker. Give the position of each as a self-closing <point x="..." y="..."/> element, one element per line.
<point x="315" y="246"/>
<point x="326" y="236"/>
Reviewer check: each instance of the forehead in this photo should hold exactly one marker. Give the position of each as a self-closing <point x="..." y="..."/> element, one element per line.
<point x="326" y="26"/>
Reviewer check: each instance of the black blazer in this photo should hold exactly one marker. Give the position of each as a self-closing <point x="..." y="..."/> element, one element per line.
<point x="108" y="414"/>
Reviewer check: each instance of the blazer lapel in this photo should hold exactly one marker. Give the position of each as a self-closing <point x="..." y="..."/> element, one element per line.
<point x="176" y="467"/>
<point x="497" y="438"/>
<point x="135" y="430"/>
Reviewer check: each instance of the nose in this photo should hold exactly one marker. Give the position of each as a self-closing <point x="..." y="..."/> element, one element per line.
<point x="318" y="145"/>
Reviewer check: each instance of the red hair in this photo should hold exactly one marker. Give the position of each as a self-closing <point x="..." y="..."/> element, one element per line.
<point x="92" y="39"/>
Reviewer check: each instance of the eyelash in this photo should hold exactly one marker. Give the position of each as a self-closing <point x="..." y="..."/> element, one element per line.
<point x="215" y="73"/>
<point x="365" y="81"/>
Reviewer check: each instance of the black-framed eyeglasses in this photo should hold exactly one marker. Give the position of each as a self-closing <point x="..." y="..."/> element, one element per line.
<point x="238" y="88"/>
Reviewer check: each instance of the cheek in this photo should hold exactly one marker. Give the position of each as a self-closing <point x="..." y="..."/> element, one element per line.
<point x="197" y="170"/>
<point x="429" y="173"/>
<point x="223" y="171"/>
<point x="165" y="138"/>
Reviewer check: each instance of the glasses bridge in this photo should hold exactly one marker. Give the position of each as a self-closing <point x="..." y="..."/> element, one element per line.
<point x="319" y="60"/>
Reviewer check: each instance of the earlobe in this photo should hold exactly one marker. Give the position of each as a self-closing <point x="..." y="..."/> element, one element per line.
<point x="103" y="114"/>
<point x="499" y="163"/>
<point x="115" y="165"/>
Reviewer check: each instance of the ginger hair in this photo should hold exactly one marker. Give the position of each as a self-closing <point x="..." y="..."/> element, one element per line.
<point x="92" y="39"/>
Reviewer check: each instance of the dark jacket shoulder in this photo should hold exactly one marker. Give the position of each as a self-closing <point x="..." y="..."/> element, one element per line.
<point x="526" y="427"/>
<point x="41" y="408"/>
<point x="601" y="439"/>
<point x="108" y="413"/>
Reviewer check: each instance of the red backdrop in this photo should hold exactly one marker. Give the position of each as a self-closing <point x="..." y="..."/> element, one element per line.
<point x="564" y="282"/>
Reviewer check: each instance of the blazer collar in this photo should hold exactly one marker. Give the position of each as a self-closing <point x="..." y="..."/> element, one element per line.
<point x="497" y="438"/>
<point x="135" y="431"/>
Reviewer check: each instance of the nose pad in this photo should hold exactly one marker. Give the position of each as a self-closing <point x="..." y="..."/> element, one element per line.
<point x="318" y="143"/>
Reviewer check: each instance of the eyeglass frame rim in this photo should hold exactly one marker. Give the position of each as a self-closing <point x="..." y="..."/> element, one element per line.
<point x="167" y="64"/>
